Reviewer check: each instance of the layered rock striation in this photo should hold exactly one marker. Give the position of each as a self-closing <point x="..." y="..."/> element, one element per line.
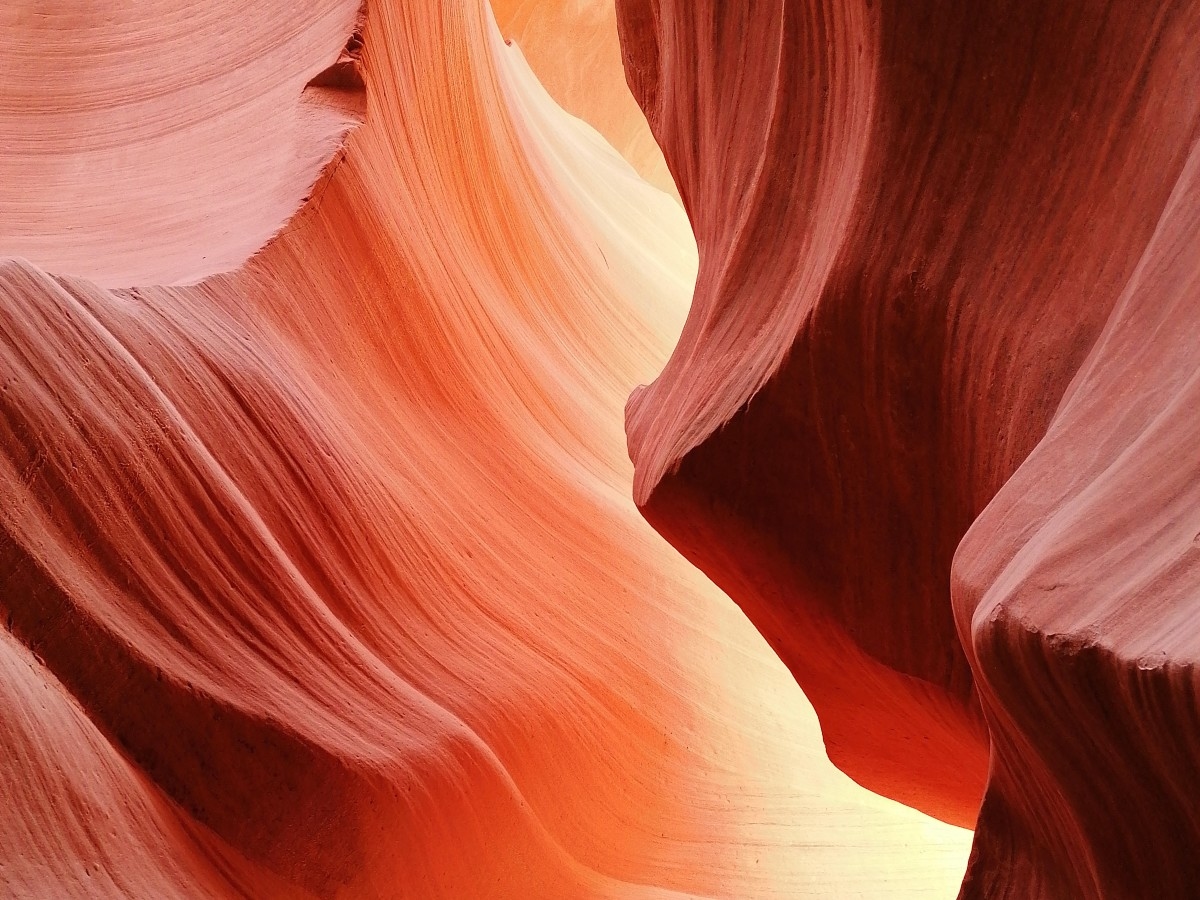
<point x="321" y="573"/>
<point x="930" y="420"/>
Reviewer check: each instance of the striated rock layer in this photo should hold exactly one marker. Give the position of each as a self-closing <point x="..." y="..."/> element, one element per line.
<point x="163" y="142"/>
<point x="1076" y="593"/>
<point x="947" y="287"/>
<point x="321" y="576"/>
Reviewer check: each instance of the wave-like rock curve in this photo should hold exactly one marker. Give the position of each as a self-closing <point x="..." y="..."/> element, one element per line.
<point x="322" y="575"/>
<point x="947" y="288"/>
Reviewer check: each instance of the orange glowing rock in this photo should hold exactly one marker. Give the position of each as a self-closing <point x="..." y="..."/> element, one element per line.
<point x="322" y="575"/>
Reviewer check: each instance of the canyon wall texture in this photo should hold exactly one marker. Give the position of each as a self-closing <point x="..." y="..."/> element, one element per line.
<point x="572" y="47"/>
<point x="932" y="418"/>
<point x="320" y="572"/>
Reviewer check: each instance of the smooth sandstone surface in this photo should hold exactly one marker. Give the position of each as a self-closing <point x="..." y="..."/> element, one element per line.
<point x="321" y="575"/>
<point x="573" y="49"/>
<point x="161" y="142"/>
<point x="1077" y="587"/>
<point x="931" y="421"/>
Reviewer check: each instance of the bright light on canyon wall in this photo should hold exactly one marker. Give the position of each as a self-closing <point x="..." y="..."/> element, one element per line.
<point x="567" y="449"/>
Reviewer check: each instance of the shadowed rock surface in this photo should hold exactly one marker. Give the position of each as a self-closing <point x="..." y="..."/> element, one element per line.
<point x="947" y="288"/>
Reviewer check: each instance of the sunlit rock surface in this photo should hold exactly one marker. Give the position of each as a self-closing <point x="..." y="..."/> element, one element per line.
<point x="932" y="418"/>
<point x="572" y="47"/>
<point x="321" y="570"/>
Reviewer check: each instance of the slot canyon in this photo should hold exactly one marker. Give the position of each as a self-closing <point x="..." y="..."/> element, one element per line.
<point x="616" y="449"/>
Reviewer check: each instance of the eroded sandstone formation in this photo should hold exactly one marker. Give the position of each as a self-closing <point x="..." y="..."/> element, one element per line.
<point x="321" y="572"/>
<point x="161" y="143"/>
<point x="932" y="418"/>
<point x="573" y="50"/>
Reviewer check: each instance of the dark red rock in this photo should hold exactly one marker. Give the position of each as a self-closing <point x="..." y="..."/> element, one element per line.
<point x="914" y="222"/>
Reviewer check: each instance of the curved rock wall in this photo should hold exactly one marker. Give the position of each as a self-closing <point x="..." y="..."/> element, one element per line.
<point x="322" y="576"/>
<point x="947" y="285"/>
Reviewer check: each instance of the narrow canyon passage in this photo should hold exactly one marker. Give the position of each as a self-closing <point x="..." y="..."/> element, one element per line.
<point x="322" y="575"/>
<point x="931" y="420"/>
<point x="381" y="386"/>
